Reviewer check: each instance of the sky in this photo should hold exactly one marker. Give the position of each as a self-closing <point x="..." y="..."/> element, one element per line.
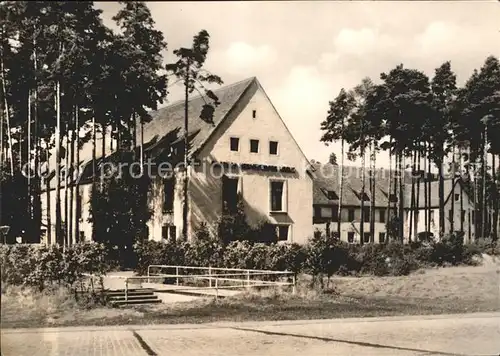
<point x="304" y="52"/>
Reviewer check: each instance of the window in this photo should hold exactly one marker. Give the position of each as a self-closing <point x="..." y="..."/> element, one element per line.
<point x="273" y="147"/>
<point x="82" y="236"/>
<point x="350" y="237"/>
<point x="326" y="212"/>
<point x="235" y="144"/>
<point x="317" y="212"/>
<point x="168" y="232"/>
<point x="366" y="214"/>
<point x="168" y="195"/>
<point x="331" y="195"/>
<point x="462" y="217"/>
<point x="381" y="237"/>
<point x="393" y="198"/>
<point x="457" y="197"/>
<point x="473" y="216"/>
<point x="381" y="216"/>
<point x="229" y="194"/>
<point x="172" y="232"/>
<point x="282" y="232"/>
<point x="277" y="196"/>
<point x="366" y="237"/>
<point x="254" y="146"/>
<point x="350" y="215"/>
<point x="254" y="114"/>
<point x="450" y="214"/>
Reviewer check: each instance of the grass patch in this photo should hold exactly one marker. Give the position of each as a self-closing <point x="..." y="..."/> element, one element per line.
<point x="435" y="291"/>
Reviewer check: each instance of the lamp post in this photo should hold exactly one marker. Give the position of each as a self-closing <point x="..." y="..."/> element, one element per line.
<point x="4" y="230"/>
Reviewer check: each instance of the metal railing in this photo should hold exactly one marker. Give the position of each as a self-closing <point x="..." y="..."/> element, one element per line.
<point x="218" y="278"/>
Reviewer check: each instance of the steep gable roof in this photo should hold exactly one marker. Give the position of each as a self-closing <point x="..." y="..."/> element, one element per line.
<point x="167" y="125"/>
<point x="327" y="178"/>
<point x="171" y="118"/>
<point x="448" y="184"/>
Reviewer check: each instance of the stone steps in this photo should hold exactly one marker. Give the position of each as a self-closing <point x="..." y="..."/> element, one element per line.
<point x="134" y="296"/>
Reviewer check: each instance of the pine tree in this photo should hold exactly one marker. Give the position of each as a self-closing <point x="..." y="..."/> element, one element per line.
<point x="189" y="69"/>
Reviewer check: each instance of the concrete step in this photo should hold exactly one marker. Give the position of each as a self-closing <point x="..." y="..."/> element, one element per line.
<point x="136" y="301"/>
<point x="130" y="292"/>
<point x="133" y="297"/>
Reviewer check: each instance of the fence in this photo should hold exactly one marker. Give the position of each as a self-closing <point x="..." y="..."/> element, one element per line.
<point x="212" y="278"/>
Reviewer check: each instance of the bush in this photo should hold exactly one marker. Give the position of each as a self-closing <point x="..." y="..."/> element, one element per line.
<point x="42" y="266"/>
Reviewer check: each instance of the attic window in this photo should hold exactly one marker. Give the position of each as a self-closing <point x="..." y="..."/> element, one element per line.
<point x="364" y="196"/>
<point x="254" y="114"/>
<point x="330" y="194"/>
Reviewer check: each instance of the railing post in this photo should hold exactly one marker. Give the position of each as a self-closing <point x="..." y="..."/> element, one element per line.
<point x="216" y="289"/>
<point x="294" y="287"/>
<point x="210" y="275"/>
<point x="148" y="274"/>
<point x="126" y="289"/>
<point x="248" y="278"/>
<point x="177" y="274"/>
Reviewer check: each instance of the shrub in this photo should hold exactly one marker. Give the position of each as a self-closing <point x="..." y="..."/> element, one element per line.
<point x="41" y="266"/>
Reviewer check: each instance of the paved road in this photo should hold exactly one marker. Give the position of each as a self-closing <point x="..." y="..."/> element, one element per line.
<point x="472" y="334"/>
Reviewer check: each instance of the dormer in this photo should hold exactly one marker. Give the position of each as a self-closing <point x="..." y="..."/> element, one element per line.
<point x="330" y="194"/>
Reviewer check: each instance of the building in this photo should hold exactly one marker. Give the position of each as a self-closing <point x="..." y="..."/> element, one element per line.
<point x="458" y="207"/>
<point x="326" y="190"/>
<point x="247" y="149"/>
<point x="326" y="201"/>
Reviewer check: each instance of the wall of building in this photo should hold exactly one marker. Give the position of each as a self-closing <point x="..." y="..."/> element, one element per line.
<point x="206" y="189"/>
<point x="456" y="207"/>
<point x="85" y="226"/>
<point x="346" y="226"/>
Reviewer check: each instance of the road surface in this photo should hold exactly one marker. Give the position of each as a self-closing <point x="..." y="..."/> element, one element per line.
<point x="471" y="334"/>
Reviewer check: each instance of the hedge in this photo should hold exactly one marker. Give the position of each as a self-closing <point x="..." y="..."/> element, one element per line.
<point x="42" y="266"/>
<point x="321" y="256"/>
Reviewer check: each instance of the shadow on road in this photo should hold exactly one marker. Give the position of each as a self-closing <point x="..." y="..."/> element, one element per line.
<point x="358" y="343"/>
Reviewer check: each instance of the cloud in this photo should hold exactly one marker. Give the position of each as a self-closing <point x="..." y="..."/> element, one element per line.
<point x="243" y="58"/>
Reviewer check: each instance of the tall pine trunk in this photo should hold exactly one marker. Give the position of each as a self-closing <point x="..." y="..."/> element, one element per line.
<point x="66" y="180"/>
<point x="48" y="204"/>
<point x="401" y="197"/>
<point x="59" y="235"/>
<point x="373" y="194"/>
<point x="94" y="183"/>
<point x="341" y="189"/>
<point x="78" y="211"/>
<point x="71" y="236"/>
<point x="495" y="199"/>
<point x="37" y="184"/>
<point x="413" y="212"/>
<point x="389" y="185"/>
<point x="28" y="162"/>
<point x="430" y="179"/>
<point x="417" y="200"/>
<point x="460" y="163"/>
<point x="7" y="117"/>
<point x="483" y="197"/>
<point x="185" y="207"/>
<point x="452" y="220"/>
<point x="103" y="143"/>
<point x="441" y="196"/>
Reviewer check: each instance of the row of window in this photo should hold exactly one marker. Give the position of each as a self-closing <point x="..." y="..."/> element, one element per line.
<point x="234" y="145"/>
<point x="332" y="213"/>
<point x="366" y="237"/>
<point x="332" y="195"/>
<point x="277" y="194"/>
<point x="282" y="231"/>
